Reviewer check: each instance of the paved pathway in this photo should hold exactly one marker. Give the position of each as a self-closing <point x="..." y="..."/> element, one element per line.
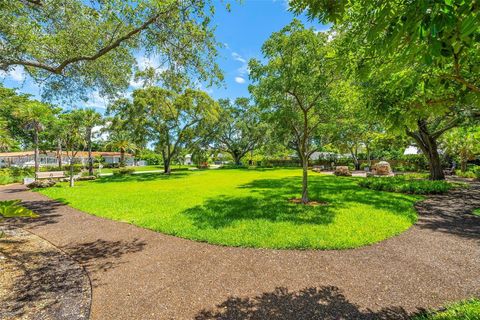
<point x="140" y="274"/>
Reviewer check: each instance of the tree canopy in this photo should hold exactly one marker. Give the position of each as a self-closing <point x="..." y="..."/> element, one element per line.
<point x="74" y="46"/>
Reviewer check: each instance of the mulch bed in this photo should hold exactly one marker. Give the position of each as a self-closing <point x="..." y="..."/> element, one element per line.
<point x="38" y="281"/>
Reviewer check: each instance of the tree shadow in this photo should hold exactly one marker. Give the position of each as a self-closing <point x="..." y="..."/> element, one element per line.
<point x="269" y="201"/>
<point x="451" y="213"/>
<point x="102" y="255"/>
<point x="326" y="303"/>
<point x="46" y="210"/>
<point x="222" y="211"/>
<point x="339" y="192"/>
<point x="141" y="177"/>
<point x="47" y="283"/>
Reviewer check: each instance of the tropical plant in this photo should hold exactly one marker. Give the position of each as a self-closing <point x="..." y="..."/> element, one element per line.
<point x="33" y="115"/>
<point x="122" y="141"/>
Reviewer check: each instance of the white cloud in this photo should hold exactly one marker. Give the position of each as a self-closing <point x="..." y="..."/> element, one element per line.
<point x="16" y="74"/>
<point x="96" y="101"/>
<point x="238" y="57"/>
<point x="239" y="80"/>
<point x="136" y="83"/>
<point x="242" y="70"/>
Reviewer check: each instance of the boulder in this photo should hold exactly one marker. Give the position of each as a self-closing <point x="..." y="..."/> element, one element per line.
<point x="382" y="169"/>
<point x="342" y="171"/>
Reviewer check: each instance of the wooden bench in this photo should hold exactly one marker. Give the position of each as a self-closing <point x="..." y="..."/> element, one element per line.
<point x="50" y="175"/>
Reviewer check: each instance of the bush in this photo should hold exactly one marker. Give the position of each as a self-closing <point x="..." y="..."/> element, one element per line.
<point x="476" y="170"/>
<point x="404" y="184"/>
<point x="41" y="184"/>
<point x="14" y="174"/>
<point x="86" y="178"/>
<point x="466" y="174"/>
<point x="124" y="171"/>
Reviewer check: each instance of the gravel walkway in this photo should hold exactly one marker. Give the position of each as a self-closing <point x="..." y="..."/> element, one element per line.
<point x="140" y="274"/>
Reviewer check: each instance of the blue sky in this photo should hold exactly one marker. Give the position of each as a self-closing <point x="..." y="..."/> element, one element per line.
<point x="243" y="30"/>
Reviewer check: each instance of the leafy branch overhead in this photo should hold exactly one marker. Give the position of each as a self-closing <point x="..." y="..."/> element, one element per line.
<point x="73" y="46"/>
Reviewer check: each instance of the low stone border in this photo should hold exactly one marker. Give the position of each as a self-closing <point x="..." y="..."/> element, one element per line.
<point x="39" y="281"/>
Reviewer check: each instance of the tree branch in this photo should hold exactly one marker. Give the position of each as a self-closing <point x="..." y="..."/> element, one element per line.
<point x="59" y="69"/>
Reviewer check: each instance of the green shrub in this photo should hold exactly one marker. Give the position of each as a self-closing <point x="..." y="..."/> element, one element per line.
<point x="476" y="170"/>
<point x="404" y="184"/>
<point x="14" y="174"/>
<point x="123" y="171"/>
<point x="468" y="310"/>
<point x="466" y="174"/>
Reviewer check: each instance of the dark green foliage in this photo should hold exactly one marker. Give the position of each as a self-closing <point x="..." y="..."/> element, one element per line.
<point x="404" y="184"/>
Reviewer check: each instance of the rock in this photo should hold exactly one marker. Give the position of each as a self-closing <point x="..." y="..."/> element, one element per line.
<point x="342" y="171"/>
<point x="41" y="184"/>
<point x="382" y="169"/>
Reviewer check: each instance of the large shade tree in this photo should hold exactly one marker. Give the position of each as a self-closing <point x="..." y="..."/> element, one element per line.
<point x="241" y="128"/>
<point x="74" y="46"/>
<point x="441" y="33"/>
<point x="293" y="87"/>
<point x="171" y="118"/>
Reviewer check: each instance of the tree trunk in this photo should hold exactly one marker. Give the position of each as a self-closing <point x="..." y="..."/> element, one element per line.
<point x="59" y="154"/>
<point x="166" y="165"/>
<point x="463" y="165"/>
<point x="35" y="156"/>
<point x="90" y="159"/>
<point x="122" y="158"/>
<point x="428" y="144"/>
<point x="305" y="180"/>
<point x="71" y="173"/>
<point x="237" y="158"/>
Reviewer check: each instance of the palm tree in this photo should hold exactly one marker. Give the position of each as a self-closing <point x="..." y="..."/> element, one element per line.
<point x="34" y="115"/>
<point x="121" y="140"/>
<point x="91" y="118"/>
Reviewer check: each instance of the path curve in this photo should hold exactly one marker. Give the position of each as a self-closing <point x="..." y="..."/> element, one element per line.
<point x="141" y="274"/>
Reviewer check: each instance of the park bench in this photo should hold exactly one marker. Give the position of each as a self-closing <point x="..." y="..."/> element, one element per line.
<point x="50" y="175"/>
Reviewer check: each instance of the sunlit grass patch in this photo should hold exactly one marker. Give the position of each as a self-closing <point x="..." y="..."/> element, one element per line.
<point x="249" y="208"/>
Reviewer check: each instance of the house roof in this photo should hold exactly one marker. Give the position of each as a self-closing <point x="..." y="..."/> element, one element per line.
<point x="54" y="153"/>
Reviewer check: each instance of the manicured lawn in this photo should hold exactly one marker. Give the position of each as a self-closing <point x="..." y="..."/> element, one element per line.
<point x="246" y="207"/>
<point x="467" y="310"/>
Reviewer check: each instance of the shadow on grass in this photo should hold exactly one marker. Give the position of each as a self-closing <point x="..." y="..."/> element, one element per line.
<point x="327" y="303"/>
<point x="141" y="177"/>
<point x="222" y="211"/>
<point x="269" y="201"/>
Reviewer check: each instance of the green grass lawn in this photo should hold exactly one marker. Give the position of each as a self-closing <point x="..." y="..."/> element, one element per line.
<point x="467" y="310"/>
<point x="246" y="207"/>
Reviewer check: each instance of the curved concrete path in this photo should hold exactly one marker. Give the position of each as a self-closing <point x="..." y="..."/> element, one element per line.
<point x="140" y="274"/>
